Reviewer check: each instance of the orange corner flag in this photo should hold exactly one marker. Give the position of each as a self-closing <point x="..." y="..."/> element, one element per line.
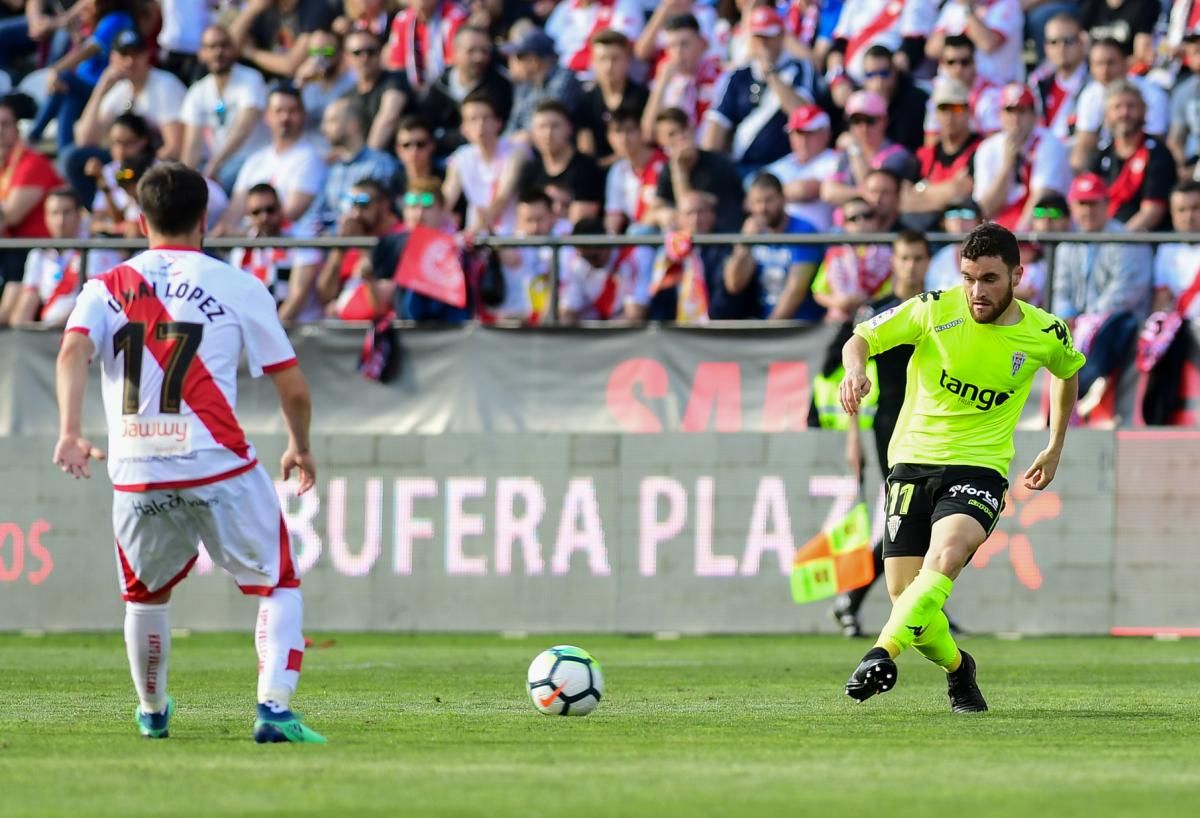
<point x="836" y="560"/>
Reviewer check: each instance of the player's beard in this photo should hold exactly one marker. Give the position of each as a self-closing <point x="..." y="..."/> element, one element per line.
<point x="996" y="311"/>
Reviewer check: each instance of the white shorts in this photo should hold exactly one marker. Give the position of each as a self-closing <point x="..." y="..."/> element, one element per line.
<point x="158" y="534"/>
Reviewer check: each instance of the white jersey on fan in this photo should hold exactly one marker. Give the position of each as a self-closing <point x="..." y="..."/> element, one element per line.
<point x="170" y="326"/>
<point x="864" y="23"/>
<point x="1003" y="18"/>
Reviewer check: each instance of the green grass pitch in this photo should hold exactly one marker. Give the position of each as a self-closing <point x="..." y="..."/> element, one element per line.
<point x="723" y="726"/>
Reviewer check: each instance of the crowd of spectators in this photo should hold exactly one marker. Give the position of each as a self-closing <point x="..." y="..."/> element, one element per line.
<point x="590" y="117"/>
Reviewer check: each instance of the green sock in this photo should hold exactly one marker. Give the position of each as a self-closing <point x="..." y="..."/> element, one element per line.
<point x="914" y="610"/>
<point x="937" y="645"/>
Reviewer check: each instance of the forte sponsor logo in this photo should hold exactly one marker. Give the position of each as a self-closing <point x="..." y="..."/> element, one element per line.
<point x="969" y="393"/>
<point x="978" y="494"/>
<point x="23" y="556"/>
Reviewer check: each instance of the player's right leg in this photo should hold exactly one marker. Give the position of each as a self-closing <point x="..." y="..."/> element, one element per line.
<point x="245" y="534"/>
<point x="877" y="672"/>
<point x="154" y="552"/>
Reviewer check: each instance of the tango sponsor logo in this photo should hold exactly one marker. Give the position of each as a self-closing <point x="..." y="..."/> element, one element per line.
<point x="969" y="393"/>
<point x="977" y="494"/>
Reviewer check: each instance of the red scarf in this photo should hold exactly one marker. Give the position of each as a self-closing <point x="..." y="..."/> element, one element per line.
<point x="680" y="266"/>
<point x="1128" y="183"/>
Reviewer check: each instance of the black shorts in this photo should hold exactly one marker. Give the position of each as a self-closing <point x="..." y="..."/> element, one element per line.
<point x="919" y="496"/>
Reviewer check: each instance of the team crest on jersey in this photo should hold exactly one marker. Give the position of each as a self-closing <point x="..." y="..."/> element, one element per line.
<point x="893" y="525"/>
<point x="1018" y="361"/>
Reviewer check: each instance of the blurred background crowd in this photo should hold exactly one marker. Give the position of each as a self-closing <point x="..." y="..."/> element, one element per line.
<point x="589" y="117"/>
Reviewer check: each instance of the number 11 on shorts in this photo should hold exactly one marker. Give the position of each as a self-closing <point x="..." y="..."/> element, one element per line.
<point x="900" y="498"/>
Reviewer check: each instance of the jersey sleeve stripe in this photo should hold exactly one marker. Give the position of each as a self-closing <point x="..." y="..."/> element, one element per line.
<point x="279" y="367"/>
<point x="130" y="289"/>
<point x="82" y="330"/>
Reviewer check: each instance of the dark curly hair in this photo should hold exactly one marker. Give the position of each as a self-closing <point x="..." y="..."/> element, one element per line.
<point x="992" y="240"/>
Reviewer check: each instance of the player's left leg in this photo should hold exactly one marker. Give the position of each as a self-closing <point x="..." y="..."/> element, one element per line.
<point x="246" y="535"/>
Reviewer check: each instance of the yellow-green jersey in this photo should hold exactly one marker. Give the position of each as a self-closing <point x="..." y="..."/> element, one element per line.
<point x="967" y="382"/>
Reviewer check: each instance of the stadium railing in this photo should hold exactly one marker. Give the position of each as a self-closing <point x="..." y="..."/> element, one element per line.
<point x="1047" y="240"/>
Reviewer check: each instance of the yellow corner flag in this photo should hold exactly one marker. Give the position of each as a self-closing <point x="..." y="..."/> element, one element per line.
<point x="836" y="560"/>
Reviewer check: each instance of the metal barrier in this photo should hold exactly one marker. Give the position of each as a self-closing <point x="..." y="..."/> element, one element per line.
<point x="1047" y="239"/>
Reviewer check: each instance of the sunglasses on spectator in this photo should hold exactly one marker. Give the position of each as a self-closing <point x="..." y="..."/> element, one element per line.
<point x="415" y="145"/>
<point x="882" y="73"/>
<point x="964" y="61"/>
<point x="419" y="200"/>
<point x="1016" y="109"/>
<point x="863" y="119"/>
<point x="359" y="200"/>
<point x="265" y="210"/>
<point x="324" y="51"/>
<point x="1062" y="40"/>
<point x="961" y="213"/>
<point x="365" y="52"/>
<point x="863" y="216"/>
<point x="954" y="107"/>
<point x="1048" y="213"/>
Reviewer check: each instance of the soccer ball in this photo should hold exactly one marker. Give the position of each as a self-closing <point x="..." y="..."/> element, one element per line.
<point x="565" y="681"/>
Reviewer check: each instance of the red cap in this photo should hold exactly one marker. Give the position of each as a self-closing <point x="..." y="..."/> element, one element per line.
<point x="808" y="118"/>
<point x="1087" y="187"/>
<point x="765" y="21"/>
<point x="1016" y="95"/>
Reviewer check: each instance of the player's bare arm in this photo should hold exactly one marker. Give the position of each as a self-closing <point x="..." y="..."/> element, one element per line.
<point x="855" y="384"/>
<point x="296" y="406"/>
<point x="1062" y="401"/>
<point x="73" y="452"/>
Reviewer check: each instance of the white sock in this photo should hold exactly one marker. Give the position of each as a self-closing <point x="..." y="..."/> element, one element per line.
<point x="148" y="645"/>
<point x="279" y="638"/>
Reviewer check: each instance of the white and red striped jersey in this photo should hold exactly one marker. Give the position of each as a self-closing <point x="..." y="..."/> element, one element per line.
<point x="864" y="23"/>
<point x="572" y="25"/>
<point x="633" y="192"/>
<point x="170" y="326"/>
<point x="423" y="50"/>
<point x="1003" y="18"/>
<point x="602" y="294"/>
<point x="1043" y="168"/>
<point x="984" y="100"/>
<point x="55" y="276"/>
<point x="1057" y="98"/>
<point x="694" y="95"/>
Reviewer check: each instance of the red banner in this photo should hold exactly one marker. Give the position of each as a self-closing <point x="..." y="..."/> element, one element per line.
<point x="431" y="266"/>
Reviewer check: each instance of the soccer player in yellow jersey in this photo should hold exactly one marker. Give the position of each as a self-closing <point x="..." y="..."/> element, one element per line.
<point x="977" y="351"/>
